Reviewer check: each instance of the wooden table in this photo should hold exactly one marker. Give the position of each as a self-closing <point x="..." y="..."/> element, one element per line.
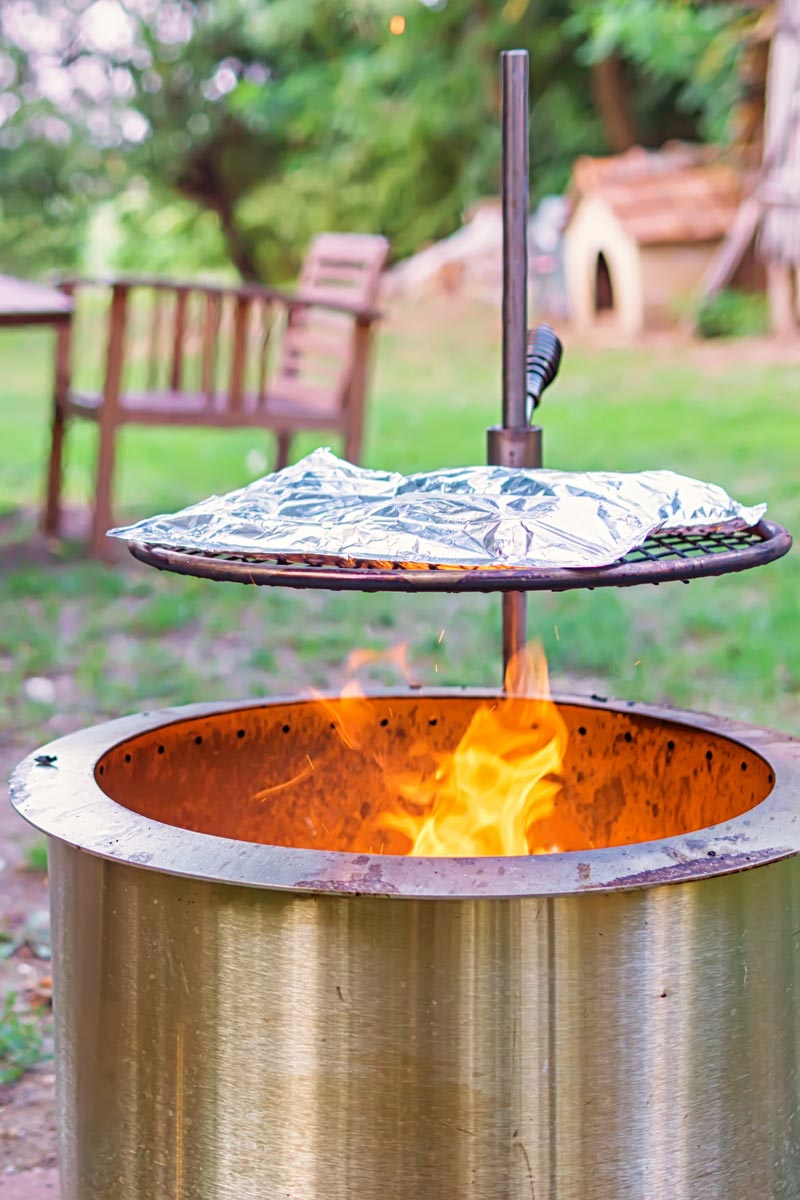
<point x="23" y="303"/>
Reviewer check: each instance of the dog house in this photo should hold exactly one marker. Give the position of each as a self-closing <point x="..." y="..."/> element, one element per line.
<point x="643" y="229"/>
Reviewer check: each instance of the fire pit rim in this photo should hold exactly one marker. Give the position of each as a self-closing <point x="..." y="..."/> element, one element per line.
<point x="56" y="791"/>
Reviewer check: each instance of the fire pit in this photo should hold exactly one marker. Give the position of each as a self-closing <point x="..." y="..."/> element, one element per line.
<point x="287" y="969"/>
<point x="252" y="1006"/>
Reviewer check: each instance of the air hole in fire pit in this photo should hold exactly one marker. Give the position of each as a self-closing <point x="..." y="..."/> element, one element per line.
<point x="160" y="749"/>
<point x="314" y="790"/>
<point x="198" y="741"/>
<point x="384" y="722"/>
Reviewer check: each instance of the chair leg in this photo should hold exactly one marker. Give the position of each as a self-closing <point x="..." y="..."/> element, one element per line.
<point x="51" y="518"/>
<point x="101" y="515"/>
<point x="282" y="455"/>
<point x="357" y="394"/>
<point x="352" y="444"/>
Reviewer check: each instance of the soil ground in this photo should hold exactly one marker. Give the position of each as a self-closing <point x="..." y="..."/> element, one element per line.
<point x="27" y="1106"/>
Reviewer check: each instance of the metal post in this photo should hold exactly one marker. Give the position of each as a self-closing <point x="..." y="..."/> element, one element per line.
<point x="515" y="448"/>
<point x="514" y="72"/>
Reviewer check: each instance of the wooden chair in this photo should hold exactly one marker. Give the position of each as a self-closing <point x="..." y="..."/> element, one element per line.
<point x="193" y="354"/>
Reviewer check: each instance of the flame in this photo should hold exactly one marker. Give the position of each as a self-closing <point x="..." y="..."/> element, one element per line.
<point x="485" y="797"/>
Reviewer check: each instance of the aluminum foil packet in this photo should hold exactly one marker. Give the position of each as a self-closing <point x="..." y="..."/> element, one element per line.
<point x="328" y="511"/>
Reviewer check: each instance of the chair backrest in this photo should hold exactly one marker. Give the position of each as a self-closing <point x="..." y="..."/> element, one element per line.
<point x="321" y="347"/>
<point x="234" y="350"/>
<point x="168" y="339"/>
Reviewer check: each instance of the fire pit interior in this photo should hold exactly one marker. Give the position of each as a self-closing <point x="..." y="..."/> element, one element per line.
<point x="282" y="773"/>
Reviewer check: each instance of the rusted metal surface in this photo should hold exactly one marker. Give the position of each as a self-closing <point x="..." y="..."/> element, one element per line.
<point x="662" y="796"/>
<point x="514" y="88"/>
<point x="510" y="447"/>
<point x="705" y="867"/>
<point x="663" y="559"/>
<point x="521" y="448"/>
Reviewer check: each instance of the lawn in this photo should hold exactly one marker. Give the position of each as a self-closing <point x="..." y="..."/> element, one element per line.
<point x="79" y="641"/>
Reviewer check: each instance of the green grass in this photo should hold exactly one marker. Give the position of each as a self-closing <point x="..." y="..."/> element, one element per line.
<point x="35" y="857"/>
<point x="112" y="640"/>
<point x="21" y="1042"/>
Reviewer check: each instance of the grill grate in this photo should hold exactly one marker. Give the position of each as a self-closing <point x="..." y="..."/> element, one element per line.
<point x="682" y="544"/>
<point x="673" y="555"/>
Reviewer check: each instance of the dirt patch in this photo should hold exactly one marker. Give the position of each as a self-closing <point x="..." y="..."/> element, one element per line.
<point x="27" y="1106"/>
<point x="31" y="1185"/>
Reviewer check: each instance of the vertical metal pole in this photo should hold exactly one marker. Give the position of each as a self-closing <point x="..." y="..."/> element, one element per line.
<point x="514" y="75"/>
<point x="514" y="72"/>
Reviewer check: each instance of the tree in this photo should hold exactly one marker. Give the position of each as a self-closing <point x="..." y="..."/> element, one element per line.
<point x="316" y="116"/>
<point x="278" y="119"/>
<point x="686" y="56"/>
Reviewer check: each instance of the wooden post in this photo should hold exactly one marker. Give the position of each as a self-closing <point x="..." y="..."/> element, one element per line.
<point x="108" y="423"/>
<point x="211" y="324"/>
<point x="357" y="391"/>
<point x="178" y="335"/>
<point x="239" y="361"/>
<point x="52" y="512"/>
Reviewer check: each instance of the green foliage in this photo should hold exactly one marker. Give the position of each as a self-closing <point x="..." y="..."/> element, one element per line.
<point x="329" y="121"/>
<point x="36" y="857"/>
<point x="693" y="46"/>
<point x="21" y="1042"/>
<point x="733" y="314"/>
<point x="174" y="235"/>
<point x="229" y="131"/>
<point x="51" y="171"/>
<point x="43" y="215"/>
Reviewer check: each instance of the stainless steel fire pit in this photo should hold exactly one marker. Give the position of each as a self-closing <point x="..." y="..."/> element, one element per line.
<point x="243" y="1015"/>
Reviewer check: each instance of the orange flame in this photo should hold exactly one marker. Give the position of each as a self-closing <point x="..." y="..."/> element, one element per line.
<point x="485" y="797"/>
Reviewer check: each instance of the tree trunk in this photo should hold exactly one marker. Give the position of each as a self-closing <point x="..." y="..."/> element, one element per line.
<point x="240" y="254"/>
<point x="609" y="88"/>
<point x="203" y="183"/>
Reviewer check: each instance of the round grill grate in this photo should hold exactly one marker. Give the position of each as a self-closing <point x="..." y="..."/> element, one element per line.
<point x="663" y="558"/>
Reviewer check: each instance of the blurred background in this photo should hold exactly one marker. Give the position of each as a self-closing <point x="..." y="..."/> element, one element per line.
<point x="220" y="136"/>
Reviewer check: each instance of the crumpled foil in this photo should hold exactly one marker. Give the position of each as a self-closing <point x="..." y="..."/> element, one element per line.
<point x="327" y="510"/>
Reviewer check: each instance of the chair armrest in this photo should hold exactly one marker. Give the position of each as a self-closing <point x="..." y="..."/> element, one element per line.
<point x="255" y="291"/>
<point x="127" y="282"/>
